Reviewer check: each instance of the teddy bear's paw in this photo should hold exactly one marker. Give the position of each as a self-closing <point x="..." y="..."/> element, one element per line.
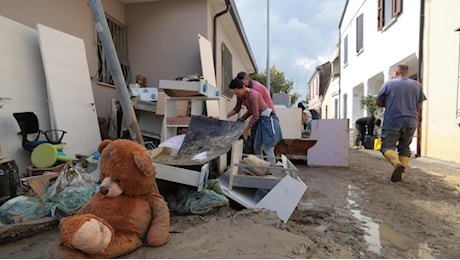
<point x="92" y="237"/>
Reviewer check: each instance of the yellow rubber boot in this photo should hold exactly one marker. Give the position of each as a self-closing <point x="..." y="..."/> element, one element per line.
<point x="399" y="168"/>
<point x="404" y="160"/>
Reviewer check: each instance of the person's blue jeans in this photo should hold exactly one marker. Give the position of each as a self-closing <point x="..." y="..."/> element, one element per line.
<point x="397" y="138"/>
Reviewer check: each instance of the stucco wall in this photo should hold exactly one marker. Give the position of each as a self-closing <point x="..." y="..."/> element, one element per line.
<point x="73" y="17"/>
<point x="440" y="131"/>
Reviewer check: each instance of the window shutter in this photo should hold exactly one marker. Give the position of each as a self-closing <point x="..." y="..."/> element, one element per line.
<point x="359" y="33"/>
<point x="380" y="15"/>
<point x="345" y="50"/>
<point x="397" y="6"/>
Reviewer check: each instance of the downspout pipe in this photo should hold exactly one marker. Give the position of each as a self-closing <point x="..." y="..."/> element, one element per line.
<point x="214" y="31"/>
<point x="102" y="28"/>
<point x="340" y="74"/>
<point x="420" y="71"/>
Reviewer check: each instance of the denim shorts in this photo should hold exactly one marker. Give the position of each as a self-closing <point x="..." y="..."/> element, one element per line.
<point x="398" y="138"/>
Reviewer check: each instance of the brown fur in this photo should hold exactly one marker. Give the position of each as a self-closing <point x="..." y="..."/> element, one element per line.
<point x="138" y="213"/>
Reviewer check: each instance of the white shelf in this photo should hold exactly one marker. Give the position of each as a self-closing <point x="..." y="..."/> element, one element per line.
<point x="197" y="105"/>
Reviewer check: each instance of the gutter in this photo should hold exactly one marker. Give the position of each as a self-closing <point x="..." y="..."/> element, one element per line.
<point x="214" y="30"/>
<point x="231" y="8"/>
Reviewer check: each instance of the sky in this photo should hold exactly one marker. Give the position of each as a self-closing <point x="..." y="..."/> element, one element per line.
<point x="302" y="33"/>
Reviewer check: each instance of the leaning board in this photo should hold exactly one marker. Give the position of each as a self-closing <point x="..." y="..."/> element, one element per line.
<point x="70" y="93"/>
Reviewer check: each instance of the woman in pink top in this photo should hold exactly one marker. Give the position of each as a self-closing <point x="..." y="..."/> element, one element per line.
<point x="266" y="129"/>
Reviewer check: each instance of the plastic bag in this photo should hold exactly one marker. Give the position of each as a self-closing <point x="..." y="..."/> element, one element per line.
<point x="203" y="202"/>
<point x="22" y="208"/>
<point x="70" y="200"/>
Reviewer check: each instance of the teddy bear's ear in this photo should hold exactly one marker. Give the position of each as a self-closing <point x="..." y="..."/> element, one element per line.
<point x="144" y="164"/>
<point x="103" y="144"/>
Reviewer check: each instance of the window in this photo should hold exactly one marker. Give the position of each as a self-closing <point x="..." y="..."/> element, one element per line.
<point x="336" y="108"/>
<point x="227" y="71"/>
<point x="387" y="11"/>
<point x="359" y="33"/>
<point x="119" y="36"/>
<point x="345" y="50"/>
<point x="345" y="101"/>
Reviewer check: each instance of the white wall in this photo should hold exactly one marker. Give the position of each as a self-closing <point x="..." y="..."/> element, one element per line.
<point x="381" y="49"/>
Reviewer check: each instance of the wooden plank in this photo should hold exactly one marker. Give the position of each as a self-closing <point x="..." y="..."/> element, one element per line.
<point x="14" y="232"/>
<point x="178" y="120"/>
<point x="161" y="103"/>
<point x="237" y="154"/>
<point x="284" y="197"/>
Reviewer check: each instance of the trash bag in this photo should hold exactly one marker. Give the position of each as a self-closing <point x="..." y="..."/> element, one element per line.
<point x="23" y="208"/>
<point x="71" y="176"/>
<point x="70" y="200"/>
<point x="203" y="202"/>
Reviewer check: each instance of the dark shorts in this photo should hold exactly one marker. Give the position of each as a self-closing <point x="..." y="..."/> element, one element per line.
<point x="399" y="139"/>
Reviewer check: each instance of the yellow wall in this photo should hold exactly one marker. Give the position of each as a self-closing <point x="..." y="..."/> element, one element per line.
<point x="440" y="131"/>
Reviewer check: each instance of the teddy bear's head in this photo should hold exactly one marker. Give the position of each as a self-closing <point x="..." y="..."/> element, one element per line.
<point x="125" y="168"/>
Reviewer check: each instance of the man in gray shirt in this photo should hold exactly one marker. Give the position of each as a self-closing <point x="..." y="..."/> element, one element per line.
<point x="402" y="98"/>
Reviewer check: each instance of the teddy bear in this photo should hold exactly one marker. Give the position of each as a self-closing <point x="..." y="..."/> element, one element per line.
<point x="126" y="210"/>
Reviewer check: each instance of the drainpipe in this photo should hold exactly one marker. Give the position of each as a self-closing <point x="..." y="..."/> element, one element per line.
<point x="103" y="31"/>
<point x="340" y="74"/>
<point x="214" y="31"/>
<point x="420" y="71"/>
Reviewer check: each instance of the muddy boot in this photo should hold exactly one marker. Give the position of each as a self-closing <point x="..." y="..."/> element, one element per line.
<point x="399" y="168"/>
<point x="404" y="160"/>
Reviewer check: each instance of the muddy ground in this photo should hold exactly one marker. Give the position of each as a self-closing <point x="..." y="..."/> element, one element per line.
<point x="354" y="212"/>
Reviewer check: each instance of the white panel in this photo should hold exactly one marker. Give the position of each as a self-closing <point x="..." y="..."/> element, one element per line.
<point x="290" y="122"/>
<point x="284" y="197"/>
<point x="207" y="61"/>
<point x="332" y="147"/>
<point x="70" y="93"/>
<point x="23" y="86"/>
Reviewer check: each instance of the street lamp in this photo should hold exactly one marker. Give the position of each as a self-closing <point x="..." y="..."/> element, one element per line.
<point x="457" y="110"/>
<point x="268" y="46"/>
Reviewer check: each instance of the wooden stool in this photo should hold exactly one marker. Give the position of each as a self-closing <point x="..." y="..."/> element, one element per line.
<point x="34" y="171"/>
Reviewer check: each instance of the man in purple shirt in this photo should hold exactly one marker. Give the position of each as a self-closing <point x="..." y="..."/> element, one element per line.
<point x="402" y="98"/>
<point x="257" y="86"/>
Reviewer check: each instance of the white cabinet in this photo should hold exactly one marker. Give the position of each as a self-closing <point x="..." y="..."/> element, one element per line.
<point x="172" y="121"/>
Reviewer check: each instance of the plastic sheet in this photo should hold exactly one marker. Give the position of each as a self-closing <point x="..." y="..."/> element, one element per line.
<point x="22" y="208"/>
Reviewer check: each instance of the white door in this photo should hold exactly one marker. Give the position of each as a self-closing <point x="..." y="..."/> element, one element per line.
<point x="70" y="94"/>
<point x="23" y="86"/>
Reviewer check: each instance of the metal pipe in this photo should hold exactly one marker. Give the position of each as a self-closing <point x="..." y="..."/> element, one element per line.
<point x="214" y="32"/>
<point x="420" y="75"/>
<point x="102" y="28"/>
